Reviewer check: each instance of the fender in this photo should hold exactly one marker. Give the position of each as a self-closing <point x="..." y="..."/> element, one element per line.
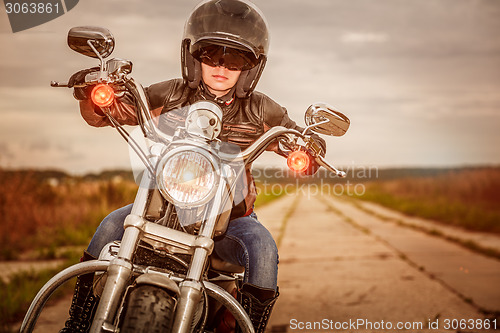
<point x="160" y="281"/>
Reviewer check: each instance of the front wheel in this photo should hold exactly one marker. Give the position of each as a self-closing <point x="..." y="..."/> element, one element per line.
<point x="148" y="309"/>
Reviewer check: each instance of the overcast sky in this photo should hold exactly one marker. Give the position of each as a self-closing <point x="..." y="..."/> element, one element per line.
<point x="420" y="80"/>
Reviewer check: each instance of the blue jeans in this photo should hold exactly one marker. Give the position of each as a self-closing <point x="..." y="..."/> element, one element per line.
<point x="246" y="243"/>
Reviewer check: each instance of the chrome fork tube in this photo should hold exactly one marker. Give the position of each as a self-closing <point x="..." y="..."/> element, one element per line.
<point x="120" y="268"/>
<point x="119" y="273"/>
<point x="192" y="288"/>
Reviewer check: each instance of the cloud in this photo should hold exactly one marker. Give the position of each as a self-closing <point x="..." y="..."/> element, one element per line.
<point x="34" y="153"/>
<point x="364" y="37"/>
<point x="40" y="100"/>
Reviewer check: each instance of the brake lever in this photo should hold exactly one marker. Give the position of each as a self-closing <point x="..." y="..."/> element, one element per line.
<point x="56" y="84"/>
<point x="90" y="78"/>
<point x="324" y="163"/>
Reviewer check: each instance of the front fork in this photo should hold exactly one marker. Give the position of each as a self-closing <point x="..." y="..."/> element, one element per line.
<point x="120" y="268"/>
<point x="192" y="288"/>
<point x="191" y="292"/>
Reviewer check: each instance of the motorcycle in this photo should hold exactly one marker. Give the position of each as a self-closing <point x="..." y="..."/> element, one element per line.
<point x="188" y="186"/>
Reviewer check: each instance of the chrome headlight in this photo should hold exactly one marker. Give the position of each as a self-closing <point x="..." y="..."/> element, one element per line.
<point x="187" y="177"/>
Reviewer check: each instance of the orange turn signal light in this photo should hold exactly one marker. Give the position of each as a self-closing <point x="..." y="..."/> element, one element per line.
<point x="102" y="95"/>
<point x="298" y="161"/>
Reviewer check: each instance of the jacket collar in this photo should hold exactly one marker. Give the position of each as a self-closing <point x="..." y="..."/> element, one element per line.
<point x="226" y="100"/>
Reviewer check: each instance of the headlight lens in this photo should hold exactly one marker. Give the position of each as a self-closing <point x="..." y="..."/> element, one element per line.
<point x="187" y="178"/>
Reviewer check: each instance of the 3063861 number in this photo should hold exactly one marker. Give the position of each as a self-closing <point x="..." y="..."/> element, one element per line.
<point x="31" y="8"/>
<point x="471" y="324"/>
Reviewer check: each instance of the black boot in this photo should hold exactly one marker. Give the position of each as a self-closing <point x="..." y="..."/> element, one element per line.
<point x="84" y="303"/>
<point x="258" y="303"/>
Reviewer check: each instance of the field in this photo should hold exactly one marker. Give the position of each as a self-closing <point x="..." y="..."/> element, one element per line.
<point x="42" y="213"/>
<point x="468" y="198"/>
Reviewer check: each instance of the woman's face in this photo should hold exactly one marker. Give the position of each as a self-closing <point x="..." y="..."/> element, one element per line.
<point x="219" y="80"/>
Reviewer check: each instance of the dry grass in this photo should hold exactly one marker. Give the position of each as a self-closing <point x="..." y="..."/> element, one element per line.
<point x="41" y="214"/>
<point x="469" y="198"/>
<point x="38" y="214"/>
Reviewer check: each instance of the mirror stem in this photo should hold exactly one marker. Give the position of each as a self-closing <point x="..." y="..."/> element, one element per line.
<point x="314" y="125"/>
<point x="101" y="59"/>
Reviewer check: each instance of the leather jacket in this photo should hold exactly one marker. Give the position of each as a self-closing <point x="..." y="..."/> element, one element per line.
<point x="244" y="120"/>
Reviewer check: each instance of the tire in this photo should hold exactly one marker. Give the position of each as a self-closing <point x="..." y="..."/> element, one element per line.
<point x="148" y="309"/>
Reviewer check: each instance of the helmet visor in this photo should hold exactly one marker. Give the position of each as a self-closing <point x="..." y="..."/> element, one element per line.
<point x="224" y="56"/>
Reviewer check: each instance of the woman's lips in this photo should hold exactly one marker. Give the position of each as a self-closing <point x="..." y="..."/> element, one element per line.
<point x="219" y="77"/>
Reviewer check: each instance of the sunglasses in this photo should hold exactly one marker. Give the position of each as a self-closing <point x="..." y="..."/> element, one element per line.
<point x="223" y="56"/>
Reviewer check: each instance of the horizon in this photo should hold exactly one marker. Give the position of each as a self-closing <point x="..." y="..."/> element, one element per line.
<point x="273" y="167"/>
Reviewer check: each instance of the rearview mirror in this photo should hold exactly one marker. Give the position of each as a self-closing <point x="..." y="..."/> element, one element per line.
<point x="322" y="118"/>
<point x="95" y="42"/>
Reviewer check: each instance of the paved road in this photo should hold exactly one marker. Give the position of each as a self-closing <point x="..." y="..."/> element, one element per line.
<point x="340" y="265"/>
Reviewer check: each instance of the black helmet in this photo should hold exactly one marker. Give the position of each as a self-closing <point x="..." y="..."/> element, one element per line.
<point x="234" y="24"/>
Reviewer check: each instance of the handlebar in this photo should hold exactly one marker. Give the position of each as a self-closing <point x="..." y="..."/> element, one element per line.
<point x="247" y="156"/>
<point x="254" y="150"/>
<point x="251" y="153"/>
